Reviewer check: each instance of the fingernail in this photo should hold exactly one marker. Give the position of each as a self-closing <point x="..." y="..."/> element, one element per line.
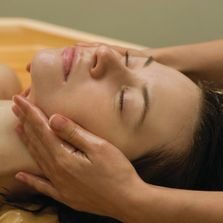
<point x="19" y="129"/>
<point x="57" y="122"/>
<point x="20" y="176"/>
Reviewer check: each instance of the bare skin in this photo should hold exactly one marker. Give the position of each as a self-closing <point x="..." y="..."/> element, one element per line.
<point x="197" y="210"/>
<point x="202" y="61"/>
<point x="80" y="167"/>
<point x="176" y="205"/>
<point x="93" y="99"/>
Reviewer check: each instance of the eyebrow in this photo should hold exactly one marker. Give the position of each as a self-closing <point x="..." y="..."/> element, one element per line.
<point x="148" y="61"/>
<point x="146" y="104"/>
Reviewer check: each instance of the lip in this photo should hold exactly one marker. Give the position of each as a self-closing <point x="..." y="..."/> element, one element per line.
<point x="69" y="56"/>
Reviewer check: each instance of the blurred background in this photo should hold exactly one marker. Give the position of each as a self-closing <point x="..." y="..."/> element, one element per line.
<point x="153" y="23"/>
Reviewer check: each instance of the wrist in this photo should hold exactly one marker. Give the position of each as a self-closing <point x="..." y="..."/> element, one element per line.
<point x="131" y="207"/>
<point x="123" y="205"/>
<point x="144" y="203"/>
<point x="172" y="57"/>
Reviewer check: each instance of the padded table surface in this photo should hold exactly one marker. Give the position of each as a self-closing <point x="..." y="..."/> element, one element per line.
<point x="20" y="39"/>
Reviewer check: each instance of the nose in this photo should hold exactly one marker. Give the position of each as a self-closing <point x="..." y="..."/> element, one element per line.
<point x="105" y="59"/>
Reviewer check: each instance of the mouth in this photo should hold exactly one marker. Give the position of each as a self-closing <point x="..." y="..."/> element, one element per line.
<point x="68" y="55"/>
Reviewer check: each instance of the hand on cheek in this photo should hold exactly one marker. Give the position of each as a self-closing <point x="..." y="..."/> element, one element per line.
<point x="82" y="170"/>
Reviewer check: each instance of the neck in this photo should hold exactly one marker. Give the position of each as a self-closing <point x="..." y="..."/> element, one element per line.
<point x="13" y="154"/>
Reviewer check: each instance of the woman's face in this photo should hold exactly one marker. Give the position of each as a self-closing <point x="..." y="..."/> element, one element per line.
<point x="137" y="105"/>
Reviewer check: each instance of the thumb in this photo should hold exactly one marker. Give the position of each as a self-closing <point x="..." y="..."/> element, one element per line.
<point x="74" y="134"/>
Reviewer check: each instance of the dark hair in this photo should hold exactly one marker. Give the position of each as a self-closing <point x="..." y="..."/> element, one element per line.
<point x="199" y="168"/>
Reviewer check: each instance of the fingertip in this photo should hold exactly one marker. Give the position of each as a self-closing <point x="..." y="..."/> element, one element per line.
<point x="20" y="176"/>
<point x="19" y="100"/>
<point x="57" y="122"/>
<point x="14" y="98"/>
<point x="19" y="129"/>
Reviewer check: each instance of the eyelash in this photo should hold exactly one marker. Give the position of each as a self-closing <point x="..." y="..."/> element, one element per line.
<point x="127" y="58"/>
<point x="124" y="88"/>
<point x="122" y="99"/>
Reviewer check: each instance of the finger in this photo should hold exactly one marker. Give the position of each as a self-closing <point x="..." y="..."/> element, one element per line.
<point x="121" y="50"/>
<point x="74" y="134"/>
<point x="26" y="92"/>
<point x="46" y="163"/>
<point x="51" y="148"/>
<point x="26" y="131"/>
<point x="28" y="108"/>
<point x="34" y="145"/>
<point x="44" y="146"/>
<point x="27" y="140"/>
<point x="20" y="132"/>
<point x="39" y="184"/>
<point x="32" y="116"/>
<point x="18" y="112"/>
<point x="132" y="51"/>
<point x="43" y="166"/>
<point x="88" y="44"/>
<point x="39" y="123"/>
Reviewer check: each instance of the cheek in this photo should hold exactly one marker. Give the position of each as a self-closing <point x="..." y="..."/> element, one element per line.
<point x="96" y="114"/>
<point x="90" y="106"/>
<point x="46" y="72"/>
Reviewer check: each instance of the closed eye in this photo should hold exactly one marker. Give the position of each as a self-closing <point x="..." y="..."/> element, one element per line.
<point x="122" y="98"/>
<point x="127" y="58"/>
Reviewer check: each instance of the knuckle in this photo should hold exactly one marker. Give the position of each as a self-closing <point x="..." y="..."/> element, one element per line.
<point x="73" y="133"/>
<point x="61" y="161"/>
<point x="39" y="128"/>
<point x="40" y="187"/>
<point x="31" y="182"/>
<point x="32" y="115"/>
<point x="100" y="146"/>
<point x="28" y="110"/>
<point x="26" y="127"/>
<point x="40" y="125"/>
